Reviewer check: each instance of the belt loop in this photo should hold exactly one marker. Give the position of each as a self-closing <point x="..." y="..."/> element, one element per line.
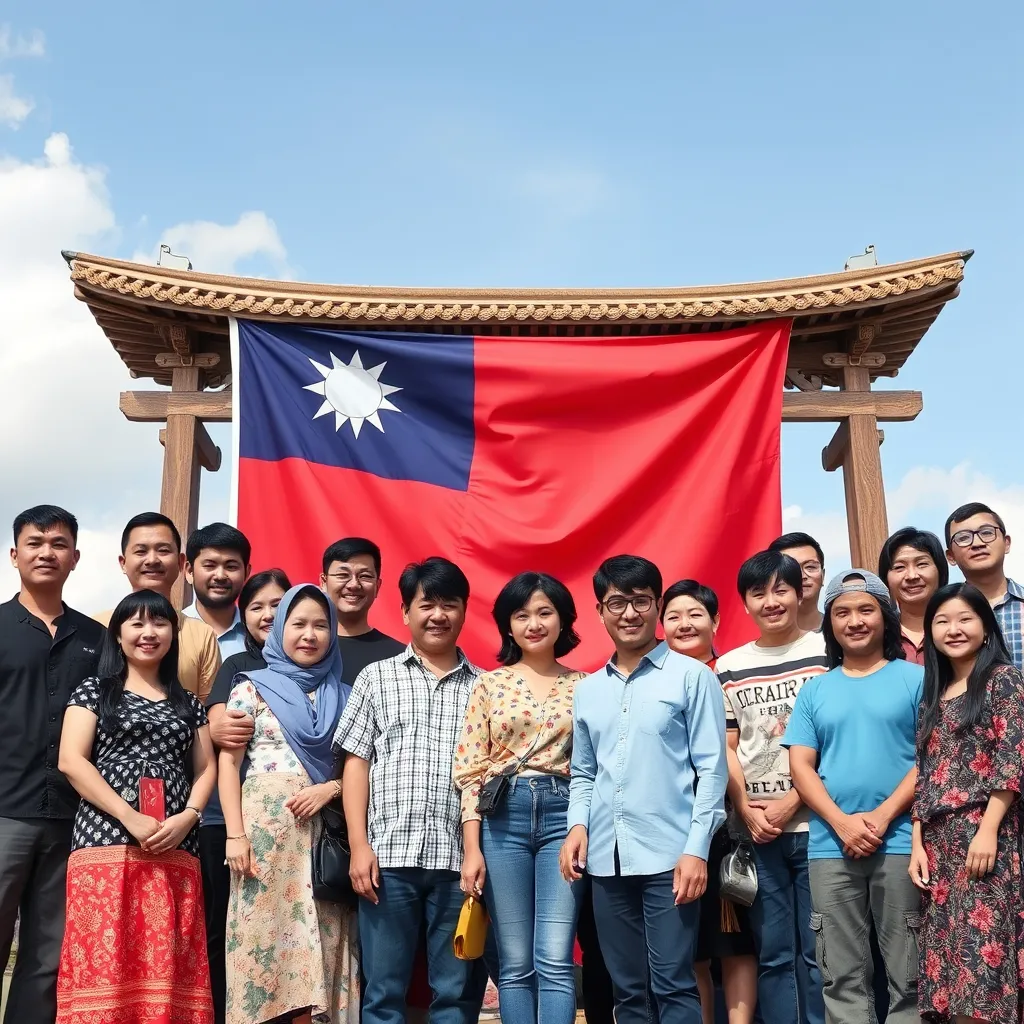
<point x="512" y="784"/>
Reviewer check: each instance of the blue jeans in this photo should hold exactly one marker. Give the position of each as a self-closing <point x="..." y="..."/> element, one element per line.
<point x="533" y="909"/>
<point x="390" y="932"/>
<point x="781" y="916"/>
<point x="645" y="935"/>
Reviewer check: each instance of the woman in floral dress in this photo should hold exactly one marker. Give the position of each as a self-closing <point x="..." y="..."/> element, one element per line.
<point x="289" y="957"/>
<point x="967" y="816"/>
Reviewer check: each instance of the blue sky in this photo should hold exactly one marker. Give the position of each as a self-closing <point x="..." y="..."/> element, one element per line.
<point x="538" y="144"/>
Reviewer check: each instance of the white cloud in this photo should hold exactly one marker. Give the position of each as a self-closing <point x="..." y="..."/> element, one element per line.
<point x="923" y="498"/>
<point x="220" y="248"/>
<point x="13" y="46"/>
<point x="13" y="108"/>
<point x="65" y="442"/>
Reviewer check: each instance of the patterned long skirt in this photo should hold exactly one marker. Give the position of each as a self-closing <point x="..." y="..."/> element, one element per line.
<point x="135" y="941"/>
<point x="972" y="935"/>
<point x="285" y="950"/>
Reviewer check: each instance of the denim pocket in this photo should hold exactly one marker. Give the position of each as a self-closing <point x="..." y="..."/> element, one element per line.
<point x="913" y="947"/>
<point x="820" y="953"/>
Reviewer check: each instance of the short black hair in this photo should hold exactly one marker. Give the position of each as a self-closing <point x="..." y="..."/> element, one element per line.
<point x="348" y="547"/>
<point x="691" y="588"/>
<point x="627" y="573"/>
<point x="515" y="594"/>
<point x="760" y="569"/>
<point x="797" y="540"/>
<point x="220" y="537"/>
<point x="920" y="540"/>
<point x="45" y="517"/>
<point x="440" y="578"/>
<point x="149" y="519"/>
<point x="965" y="512"/>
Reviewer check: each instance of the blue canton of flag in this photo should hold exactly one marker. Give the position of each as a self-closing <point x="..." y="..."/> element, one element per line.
<point x="399" y="406"/>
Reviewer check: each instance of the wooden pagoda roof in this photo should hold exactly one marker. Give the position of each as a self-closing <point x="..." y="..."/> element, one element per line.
<point x="876" y="315"/>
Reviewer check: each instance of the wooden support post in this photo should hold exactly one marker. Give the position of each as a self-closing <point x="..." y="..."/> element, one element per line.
<point x="179" y="493"/>
<point x="866" y="517"/>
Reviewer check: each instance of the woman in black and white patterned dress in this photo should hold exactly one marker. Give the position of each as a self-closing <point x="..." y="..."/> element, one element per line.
<point x="135" y="940"/>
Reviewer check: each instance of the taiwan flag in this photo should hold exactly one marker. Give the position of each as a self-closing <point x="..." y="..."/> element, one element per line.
<point x="511" y="454"/>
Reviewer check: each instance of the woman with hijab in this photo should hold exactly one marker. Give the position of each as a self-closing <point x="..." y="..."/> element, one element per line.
<point x="289" y="957"/>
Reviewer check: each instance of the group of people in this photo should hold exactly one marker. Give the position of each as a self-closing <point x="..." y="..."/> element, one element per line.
<point x="167" y="776"/>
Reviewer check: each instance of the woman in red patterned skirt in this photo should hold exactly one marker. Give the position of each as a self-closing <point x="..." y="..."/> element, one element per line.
<point x="967" y="816"/>
<point x="135" y="943"/>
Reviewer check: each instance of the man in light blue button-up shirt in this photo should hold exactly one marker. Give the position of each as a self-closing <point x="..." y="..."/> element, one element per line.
<point x="647" y="726"/>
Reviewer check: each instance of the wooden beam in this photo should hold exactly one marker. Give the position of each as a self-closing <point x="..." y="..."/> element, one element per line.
<point x="207" y="452"/>
<point x="822" y="406"/>
<point x="834" y="454"/>
<point x="156" y="406"/>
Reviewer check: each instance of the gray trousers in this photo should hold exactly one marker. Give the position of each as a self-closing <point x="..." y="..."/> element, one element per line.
<point x="847" y="896"/>
<point x="33" y="872"/>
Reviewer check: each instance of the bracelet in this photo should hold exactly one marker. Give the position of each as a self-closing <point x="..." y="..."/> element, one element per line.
<point x="337" y="788"/>
<point x="242" y="836"/>
<point x="195" y="810"/>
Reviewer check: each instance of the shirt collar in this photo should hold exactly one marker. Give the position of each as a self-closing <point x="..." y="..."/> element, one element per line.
<point x="657" y="658"/>
<point x="1014" y="592"/>
<point x="411" y="655"/>
<point x="192" y="611"/>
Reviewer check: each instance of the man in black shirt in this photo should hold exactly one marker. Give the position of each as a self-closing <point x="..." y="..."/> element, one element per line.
<point x="351" y="579"/>
<point x="46" y="650"/>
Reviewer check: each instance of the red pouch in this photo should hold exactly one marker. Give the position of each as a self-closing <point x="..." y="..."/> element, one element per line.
<point x="151" y="798"/>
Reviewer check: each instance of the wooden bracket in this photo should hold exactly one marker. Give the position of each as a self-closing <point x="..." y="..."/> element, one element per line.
<point x="863" y="339"/>
<point x="207" y="452"/>
<point x="172" y="361"/>
<point x="833" y="455"/>
<point x="869" y="360"/>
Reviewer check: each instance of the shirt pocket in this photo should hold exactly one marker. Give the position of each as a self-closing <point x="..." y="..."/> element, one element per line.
<point x="655" y="717"/>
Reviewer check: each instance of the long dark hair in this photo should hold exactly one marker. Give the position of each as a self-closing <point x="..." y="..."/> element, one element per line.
<point x="113" y="668"/>
<point x="892" y="635"/>
<point x="938" y="669"/>
<point x="252" y="586"/>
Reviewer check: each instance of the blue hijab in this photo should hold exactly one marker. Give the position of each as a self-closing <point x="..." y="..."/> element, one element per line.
<point x="308" y="725"/>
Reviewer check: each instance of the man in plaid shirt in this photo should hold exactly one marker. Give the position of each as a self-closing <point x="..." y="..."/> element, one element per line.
<point x="398" y="732"/>
<point x="977" y="543"/>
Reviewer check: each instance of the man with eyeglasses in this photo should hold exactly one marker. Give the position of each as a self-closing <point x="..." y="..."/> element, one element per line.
<point x="351" y="580"/>
<point x="807" y="553"/>
<point x="646" y="727"/>
<point x="977" y="544"/>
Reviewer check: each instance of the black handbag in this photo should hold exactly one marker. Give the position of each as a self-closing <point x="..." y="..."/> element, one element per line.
<point x="331" y="861"/>
<point x="495" y="789"/>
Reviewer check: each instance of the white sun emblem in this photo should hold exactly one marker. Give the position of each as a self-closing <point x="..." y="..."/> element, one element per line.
<point x="353" y="394"/>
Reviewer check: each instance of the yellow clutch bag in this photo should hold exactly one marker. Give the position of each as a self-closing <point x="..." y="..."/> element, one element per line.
<point x="471" y="931"/>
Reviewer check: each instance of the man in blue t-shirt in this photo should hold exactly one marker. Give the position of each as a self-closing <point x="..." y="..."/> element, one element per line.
<point x="852" y="755"/>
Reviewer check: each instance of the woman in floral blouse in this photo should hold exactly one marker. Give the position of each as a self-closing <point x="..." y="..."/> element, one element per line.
<point x="519" y="724"/>
<point x="289" y="956"/>
<point x="967" y="816"/>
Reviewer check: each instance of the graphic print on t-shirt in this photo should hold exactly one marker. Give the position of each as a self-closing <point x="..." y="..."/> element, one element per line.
<point x="760" y="685"/>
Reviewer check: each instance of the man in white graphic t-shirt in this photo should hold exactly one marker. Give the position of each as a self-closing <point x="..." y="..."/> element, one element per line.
<point x="760" y="681"/>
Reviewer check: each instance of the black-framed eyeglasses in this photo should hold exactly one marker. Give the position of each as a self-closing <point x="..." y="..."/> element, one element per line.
<point x="965" y="538"/>
<point x="364" y="579"/>
<point x="617" y="604"/>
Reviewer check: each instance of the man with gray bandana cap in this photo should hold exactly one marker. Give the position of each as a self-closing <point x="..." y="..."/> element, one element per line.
<point x="852" y="755"/>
